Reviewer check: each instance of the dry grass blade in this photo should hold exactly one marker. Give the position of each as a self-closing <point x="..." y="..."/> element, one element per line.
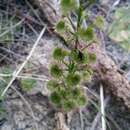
<point x="102" y="108"/>
<point x="97" y="117"/>
<point x="27" y="76"/>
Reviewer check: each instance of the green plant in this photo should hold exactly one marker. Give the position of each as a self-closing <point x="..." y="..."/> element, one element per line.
<point x="7" y="29"/>
<point x="72" y="66"/>
<point x="28" y="84"/>
<point x="119" y="29"/>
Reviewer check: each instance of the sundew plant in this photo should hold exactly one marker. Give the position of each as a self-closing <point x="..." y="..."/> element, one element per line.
<point x="72" y="66"/>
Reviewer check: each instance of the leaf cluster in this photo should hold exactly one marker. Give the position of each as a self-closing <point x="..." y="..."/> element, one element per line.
<point x="67" y="74"/>
<point x="71" y="67"/>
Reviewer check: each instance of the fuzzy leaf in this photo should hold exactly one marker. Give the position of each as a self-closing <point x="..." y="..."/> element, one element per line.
<point x="73" y="79"/>
<point x="68" y="5"/>
<point x="55" y="98"/>
<point x="82" y="100"/>
<point x="87" y="76"/>
<point x="59" y="54"/>
<point x="28" y="84"/>
<point x="60" y="26"/>
<point x="86" y="35"/>
<point x="55" y="71"/>
<point x="92" y="57"/>
<point x="63" y="93"/>
<point x="69" y="105"/>
<point x="85" y="58"/>
<point x="52" y="85"/>
<point x="71" y="67"/>
<point x="76" y="93"/>
<point x="99" y="22"/>
<point x="79" y="57"/>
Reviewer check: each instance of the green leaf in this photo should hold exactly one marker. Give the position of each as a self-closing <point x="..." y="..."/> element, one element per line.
<point x="63" y="93"/>
<point x="55" y="98"/>
<point x="87" y="76"/>
<point x="99" y="22"/>
<point x="76" y="93"/>
<point x="75" y="55"/>
<point x="73" y="79"/>
<point x="60" y="26"/>
<point x="68" y="5"/>
<point x="89" y="69"/>
<point x="92" y="57"/>
<point x="86" y="35"/>
<point x="82" y="100"/>
<point x="85" y="58"/>
<point x="79" y="57"/>
<point x="59" y="54"/>
<point x="71" y="67"/>
<point x="55" y="71"/>
<point x="69" y="105"/>
<point x="28" y="84"/>
<point x="89" y="33"/>
<point x="52" y="85"/>
<point x="80" y="14"/>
